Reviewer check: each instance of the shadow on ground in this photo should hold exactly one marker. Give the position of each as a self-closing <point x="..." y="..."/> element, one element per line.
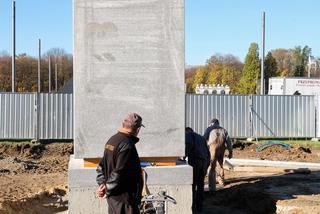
<point x="261" y="194"/>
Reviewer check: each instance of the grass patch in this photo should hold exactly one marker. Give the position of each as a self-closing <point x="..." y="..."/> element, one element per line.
<point x="18" y="143"/>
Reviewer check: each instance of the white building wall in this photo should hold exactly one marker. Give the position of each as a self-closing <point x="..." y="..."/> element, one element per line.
<point x="276" y="86"/>
<point x="290" y="86"/>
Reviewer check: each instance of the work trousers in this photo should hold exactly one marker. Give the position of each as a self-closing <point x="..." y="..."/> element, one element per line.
<point x="199" y="172"/>
<point x="217" y="154"/>
<point x="118" y="207"/>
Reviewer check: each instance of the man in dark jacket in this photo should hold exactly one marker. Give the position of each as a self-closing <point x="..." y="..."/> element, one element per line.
<point x="198" y="157"/>
<point x="119" y="172"/>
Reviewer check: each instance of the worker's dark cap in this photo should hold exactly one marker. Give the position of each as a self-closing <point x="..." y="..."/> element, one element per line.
<point x="134" y="120"/>
<point x="215" y="120"/>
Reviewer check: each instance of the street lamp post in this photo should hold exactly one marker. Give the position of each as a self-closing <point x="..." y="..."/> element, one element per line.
<point x="262" y="55"/>
<point x="13" y="78"/>
<point x="39" y="67"/>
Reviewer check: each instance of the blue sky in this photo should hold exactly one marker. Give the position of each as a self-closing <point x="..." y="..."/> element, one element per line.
<point x="212" y="26"/>
<point x="49" y="20"/>
<point x="229" y="26"/>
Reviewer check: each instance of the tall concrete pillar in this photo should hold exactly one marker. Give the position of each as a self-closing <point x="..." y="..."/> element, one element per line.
<point x="129" y="57"/>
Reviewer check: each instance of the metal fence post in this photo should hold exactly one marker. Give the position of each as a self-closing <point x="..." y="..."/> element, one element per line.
<point x="317" y="117"/>
<point x="36" y="109"/>
<point x="250" y="116"/>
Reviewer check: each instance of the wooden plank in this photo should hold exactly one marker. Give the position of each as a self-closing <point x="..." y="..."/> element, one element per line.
<point x="91" y="162"/>
<point x="158" y="159"/>
<point x="155" y="161"/>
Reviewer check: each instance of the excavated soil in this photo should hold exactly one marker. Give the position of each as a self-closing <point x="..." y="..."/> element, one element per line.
<point x="33" y="177"/>
<point x="276" y="153"/>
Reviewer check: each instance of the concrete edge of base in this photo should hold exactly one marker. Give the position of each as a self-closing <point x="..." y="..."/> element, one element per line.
<point x="79" y="176"/>
<point x="175" y="180"/>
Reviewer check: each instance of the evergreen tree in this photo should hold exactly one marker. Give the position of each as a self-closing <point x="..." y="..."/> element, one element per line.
<point x="251" y="71"/>
<point x="270" y="69"/>
<point x="300" y="57"/>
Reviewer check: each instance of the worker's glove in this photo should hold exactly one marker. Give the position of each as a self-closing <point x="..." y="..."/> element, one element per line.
<point x="230" y="155"/>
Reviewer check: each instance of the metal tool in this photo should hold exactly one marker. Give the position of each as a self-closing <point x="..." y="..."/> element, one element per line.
<point x="155" y="204"/>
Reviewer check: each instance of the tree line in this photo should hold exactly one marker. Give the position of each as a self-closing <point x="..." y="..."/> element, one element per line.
<point x="27" y="71"/>
<point x="244" y="78"/>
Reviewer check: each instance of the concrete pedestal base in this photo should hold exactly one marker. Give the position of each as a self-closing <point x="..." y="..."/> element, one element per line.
<point x="175" y="180"/>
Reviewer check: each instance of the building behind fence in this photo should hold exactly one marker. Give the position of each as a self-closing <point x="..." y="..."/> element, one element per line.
<point x="50" y="116"/>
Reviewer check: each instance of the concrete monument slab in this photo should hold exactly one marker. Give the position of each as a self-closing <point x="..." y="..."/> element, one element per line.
<point x="129" y="57"/>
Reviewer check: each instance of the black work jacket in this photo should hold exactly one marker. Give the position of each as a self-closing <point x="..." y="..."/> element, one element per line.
<point x="120" y="169"/>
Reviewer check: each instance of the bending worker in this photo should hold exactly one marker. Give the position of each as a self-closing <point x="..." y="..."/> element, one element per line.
<point x="198" y="157"/>
<point x="218" y="141"/>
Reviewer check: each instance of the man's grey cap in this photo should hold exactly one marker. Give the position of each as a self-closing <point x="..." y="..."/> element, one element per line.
<point x="215" y="120"/>
<point x="134" y="119"/>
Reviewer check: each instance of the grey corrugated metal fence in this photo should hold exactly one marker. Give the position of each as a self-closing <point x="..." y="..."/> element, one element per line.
<point x="50" y="116"/>
<point x="232" y="111"/>
<point x="55" y="116"/>
<point x="36" y="116"/>
<point x="17" y="116"/>
<point x="253" y="115"/>
<point x="283" y="116"/>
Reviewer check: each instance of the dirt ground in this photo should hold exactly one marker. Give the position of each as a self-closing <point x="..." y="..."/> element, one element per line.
<point x="266" y="193"/>
<point x="33" y="179"/>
